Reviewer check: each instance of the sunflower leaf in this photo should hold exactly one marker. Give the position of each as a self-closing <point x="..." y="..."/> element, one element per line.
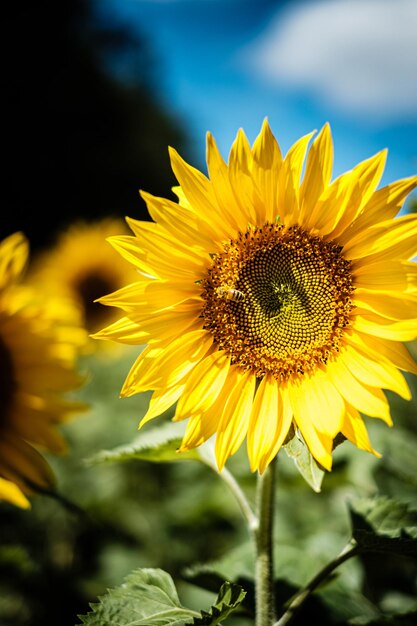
<point x="310" y="470"/>
<point x="148" y="596"/>
<point x="382" y="524"/>
<point x="158" y="445"/>
<point x="229" y="598"/>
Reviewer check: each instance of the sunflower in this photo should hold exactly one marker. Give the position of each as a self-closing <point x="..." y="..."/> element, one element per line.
<point x="81" y="265"/>
<point x="38" y="349"/>
<point x="271" y="300"/>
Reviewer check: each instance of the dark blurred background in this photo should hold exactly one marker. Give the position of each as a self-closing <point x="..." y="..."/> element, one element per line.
<point x="76" y="141"/>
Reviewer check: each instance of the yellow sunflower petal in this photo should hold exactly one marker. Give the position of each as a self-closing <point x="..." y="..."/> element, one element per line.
<point x="240" y="166"/>
<point x="394" y="306"/>
<point x="203" y="426"/>
<point x="129" y="249"/>
<point x="354" y="429"/>
<point x="14" y="251"/>
<point x="125" y="297"/>
<point x="364" y="398"/>
<point x="317" y="396"/>
<point x="318" y="171"/>
<point x="199" y="193"/>
<point x="233" y="425"/>
<point x="378" y="326"/>
<point x="160" y="328"/>
<point x="123" y="331"/>
<point x="390" y="351"/>
<point x="367" y="176"/>
<point x="155" y="239"/>
<point x="161" y="401"/>
<point x="289" y="181"/>
<point x="203" y="385"/>
<point x="375" y="373"/>
<point x="390" y="239"/>
<point x="10" y="492"/>
<point x="180" y="221"/>
<point x="387" y="276"/>
<point x="160" y="261"/>
<point x="383" y="205"/>
<point x="319" y="444"/>
<point x="270" y="421"/>
<point x="157" y="326"/>
<point x="267" y="160"/>
<point x="165" y="367"/>
<point x="199" y="430"/>
<point x="159" y="296"/>
<point x="222" y="187"/>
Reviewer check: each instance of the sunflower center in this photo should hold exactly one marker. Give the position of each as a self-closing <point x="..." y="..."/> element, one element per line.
<point x="7" y="382"/>
<point x="89" y="288"/>
<point x="278" y="300"/>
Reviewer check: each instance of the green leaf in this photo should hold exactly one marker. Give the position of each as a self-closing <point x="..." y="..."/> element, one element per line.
<point x="382" y="524"/>
<point x="229" y="598"/>
<point x="147" y="598"/>
<point x="310" y="470"/>
<point x="158" y="445"/>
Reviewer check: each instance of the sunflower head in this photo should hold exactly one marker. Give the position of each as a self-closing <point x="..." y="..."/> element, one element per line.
<point x="272" y="299"/>
<point x="81" y="266"/>
<point x="39" y="345"/>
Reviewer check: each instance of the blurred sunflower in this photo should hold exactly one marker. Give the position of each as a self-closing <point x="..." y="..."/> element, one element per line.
<point x="269" y="299"/>
<point x="38" y="350"/>
<point x="81" y="266"/>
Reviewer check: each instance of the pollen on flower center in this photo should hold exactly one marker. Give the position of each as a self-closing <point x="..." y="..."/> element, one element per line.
<point x="278" y="300"/>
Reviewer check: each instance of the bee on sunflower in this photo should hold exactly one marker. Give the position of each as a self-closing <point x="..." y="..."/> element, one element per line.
<point x="326" y="296"/>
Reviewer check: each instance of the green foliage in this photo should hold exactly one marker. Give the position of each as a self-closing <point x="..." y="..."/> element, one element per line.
<point x="148" y="597"/>
<point x="158" y="445"/>
<point x="384" y="525"/>
<point x="229" y="598"/>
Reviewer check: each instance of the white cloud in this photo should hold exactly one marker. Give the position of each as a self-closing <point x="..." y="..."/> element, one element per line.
<point x="360" y="55"/>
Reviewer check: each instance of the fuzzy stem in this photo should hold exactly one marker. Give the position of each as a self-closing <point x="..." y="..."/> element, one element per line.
<point x="264" y="592"/>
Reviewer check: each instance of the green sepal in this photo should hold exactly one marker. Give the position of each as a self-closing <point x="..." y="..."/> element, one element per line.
<point x="297" y="449"/>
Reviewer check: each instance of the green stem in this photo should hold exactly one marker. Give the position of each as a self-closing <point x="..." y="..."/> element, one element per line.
<point x="235" y="488"/>
<point x="264" y="591"/>
<point x="350" y="550"/>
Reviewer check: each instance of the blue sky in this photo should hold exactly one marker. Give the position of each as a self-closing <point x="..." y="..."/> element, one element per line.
<point x="226" y="64"/>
